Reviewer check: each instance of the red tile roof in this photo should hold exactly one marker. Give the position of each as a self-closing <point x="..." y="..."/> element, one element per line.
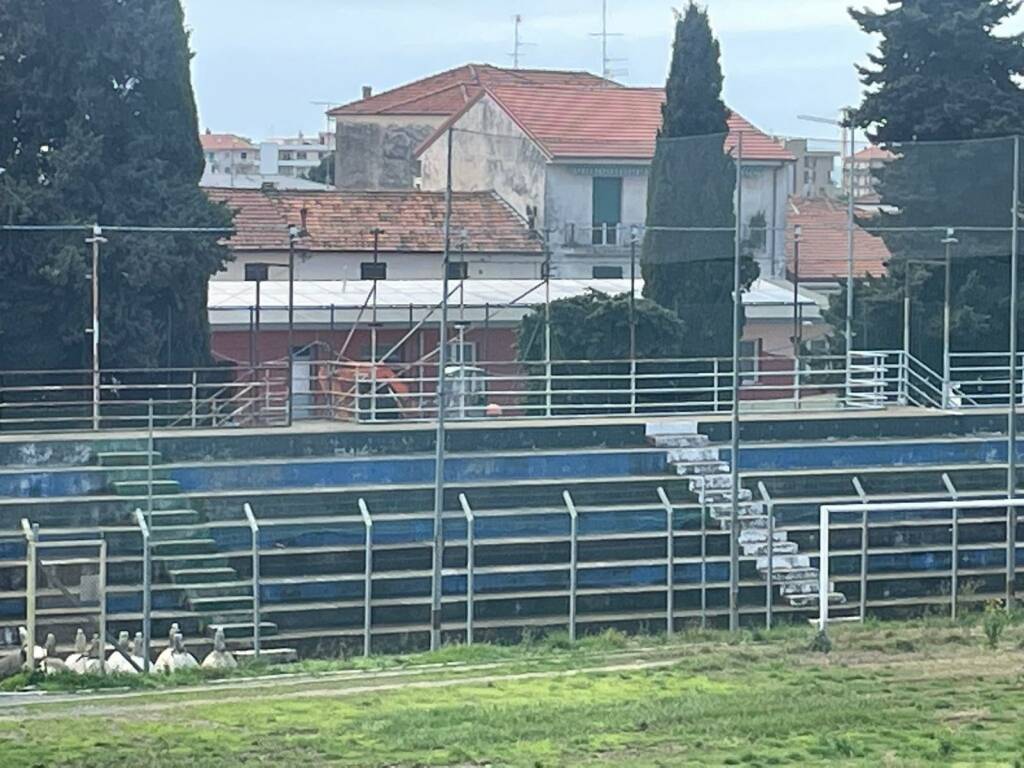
<point x="603" y="123"/>
<point x="873" y="152"/>
<point x="342" y="220"/>
<point x="213" y="142"/>
<point x="447" y="92"/>
<point x="823" y="242"/>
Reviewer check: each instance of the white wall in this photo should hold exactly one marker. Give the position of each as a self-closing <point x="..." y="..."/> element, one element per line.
<point x="493" y="154"/>
<point x="401" y="266"/>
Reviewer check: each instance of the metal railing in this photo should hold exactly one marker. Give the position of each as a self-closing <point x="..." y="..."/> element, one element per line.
<point x="619" y="235"/>
<point x="240" y="396"/>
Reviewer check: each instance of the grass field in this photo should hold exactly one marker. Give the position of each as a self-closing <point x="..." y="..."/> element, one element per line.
<point x="888" y="694"/>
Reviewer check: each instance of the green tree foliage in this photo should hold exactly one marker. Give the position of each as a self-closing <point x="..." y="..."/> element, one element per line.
<point x="323" y="173"/>
<point x="98" y="123"/>
<point x="692" y="184"/>
<point x="942" y="75"/>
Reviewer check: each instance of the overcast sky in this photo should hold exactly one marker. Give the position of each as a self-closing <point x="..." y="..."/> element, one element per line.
<point x="260" y="64"/>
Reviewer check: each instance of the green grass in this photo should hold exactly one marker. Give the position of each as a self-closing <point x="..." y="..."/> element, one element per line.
<point x="902" y="695"/>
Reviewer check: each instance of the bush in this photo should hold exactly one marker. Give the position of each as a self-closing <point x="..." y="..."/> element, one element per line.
<point x="994" y="622"/>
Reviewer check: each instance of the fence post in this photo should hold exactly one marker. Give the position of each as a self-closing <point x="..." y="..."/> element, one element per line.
<point x="147" y="594"/>
<point x="254" y="528"/>
<point x="632" y="386"/>
<point x="150" y="449"/>
<point x="195" y="398"/>
<point x="31" y="535"/>
<point x="863" y="549"/>
<point x="770" y="576"/>
<point x="367" y="577"/>
<point x="796" y="381"/>
<point x="670" y="563"/>
<point x="954" y="577"/>
<point x="102" y="578"/>
<point x="470" y="562"/>
<point x="573" y="561"/>
<point x="703" y="553"/>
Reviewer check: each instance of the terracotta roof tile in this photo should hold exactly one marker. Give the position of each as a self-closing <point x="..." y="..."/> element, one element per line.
<point x="213" y="142"/>
<point x="447" y="92"/>
<point x="823" y="242"/>
<point x="594" y="123"/>
<point x="873" y="152"/>
<point x="343" y="220"/>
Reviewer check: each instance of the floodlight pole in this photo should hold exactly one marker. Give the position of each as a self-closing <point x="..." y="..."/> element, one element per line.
<point x="947" y="362"/>
<point x="632" y="320"/>
<point x="435" y="582"/>
<point x="293" y="235"/>
<point x="848" y="120"/>
<point x="1011" y="455"/>
<point x="737" y="308"/>
<point x="96" y="240"/>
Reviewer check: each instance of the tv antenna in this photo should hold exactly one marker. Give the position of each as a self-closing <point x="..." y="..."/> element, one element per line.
<point x="607" y="71"/>
<point x="326" y="106"/>
<point x="517" y="43"/>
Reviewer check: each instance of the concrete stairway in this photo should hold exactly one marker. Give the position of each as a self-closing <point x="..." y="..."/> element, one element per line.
<point x="691" y="455"/>
<point x="186" y="556"/>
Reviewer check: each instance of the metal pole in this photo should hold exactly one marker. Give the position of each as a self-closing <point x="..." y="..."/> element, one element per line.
<point x="31" y="533"/>
<point x="1011" y="456"/>
<point x="102" y="578"/>
<point x="435" y="586"/>
<point x="547" y="327"/>
<point x="470" y="563"/>
<point x="954" y="575"/>
<point x="150" y="445"/>
<point x="367" y="578"/>
<point x="573" y="561"/>
<point x="376" y="231"/>
<point x="147" y="592"/>
<point x="770" y="582"/>
<point x="947" y="368"/>
<point x="905" y="368"/>
<point x="632" y="321"/>
<point x="670" y="563"/>
<point x="797" y="331"/>
<point x="256" y="349"/>
<point x="737" y="308"/>
<point x="254" y="527"/>
<point x="293" y="234"/>
<point x="849" y="252"/>
<point x="96" y="239"/>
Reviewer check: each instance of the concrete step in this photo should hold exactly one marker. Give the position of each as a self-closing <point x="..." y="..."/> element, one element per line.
<point x="679" y="441"/>
<point x="161" y="518"/>
<point x="809" y="601"/>
<point x="779" y="548"/>
<point x="810" y="586"/>
<point x="701" y="455"/>
<point x="189" y="578"/>
<point x="746" y="522"/>
<point x="760" y="536"/>
<point x="221" y="608"/>
<point x="671" y="428"/>
<point x="716" y="482"/>
<point x="141" y="487"/>
<point x="183" y="547"/>
<point x="233" y="586"/>
<point x="135" y="475"/>
<point x="126" y="458"/>
<point x="200" y="560"/>
<point x="797" y="575"/>
<point x="699" y="468"/>
<point x="784" y="562"/>
<point x="745" y="507"/>
<point x="241" y="629"/>
<point x="714" y="496"/>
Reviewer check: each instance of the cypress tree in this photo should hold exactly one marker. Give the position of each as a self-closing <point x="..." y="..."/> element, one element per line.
<point x="98" y="123"/>
<point x="692" y="184"/>
<point x="941" y="94"/>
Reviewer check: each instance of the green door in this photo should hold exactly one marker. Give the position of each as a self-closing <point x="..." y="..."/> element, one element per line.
<point x="607" y="207"/>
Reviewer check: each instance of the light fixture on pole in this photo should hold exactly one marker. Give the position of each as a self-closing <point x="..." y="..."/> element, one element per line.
<point x="947" y="367"/>
<point x="96" y="240"/>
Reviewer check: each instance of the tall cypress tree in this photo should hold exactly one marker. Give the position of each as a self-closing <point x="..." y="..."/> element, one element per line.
<point x="692" y="184"/>
<point x="941" y="94"/>
<point x="98" y="123"/>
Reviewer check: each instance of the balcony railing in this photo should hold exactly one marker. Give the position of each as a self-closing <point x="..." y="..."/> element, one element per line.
<point x="610" y="235"/>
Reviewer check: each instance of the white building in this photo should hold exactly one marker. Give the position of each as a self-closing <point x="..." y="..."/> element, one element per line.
<point x="295" y="156"/>
<point x="574" y="161"/>
<point x="227" y="153"/>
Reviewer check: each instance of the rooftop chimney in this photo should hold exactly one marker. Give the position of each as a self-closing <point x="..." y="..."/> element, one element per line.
<point x="304" y="215"/>
<point x="367" y="91"/>
<point x="268" y="186"/>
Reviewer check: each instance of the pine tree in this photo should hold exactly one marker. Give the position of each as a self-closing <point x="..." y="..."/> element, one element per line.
<point x="98" y="123"/>
<point x="941" y="94"/>
<point x="692" y="184"/>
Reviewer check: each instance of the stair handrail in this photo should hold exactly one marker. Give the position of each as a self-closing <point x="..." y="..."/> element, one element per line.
<point x="570" y="506"/>
<point x="954" y="546"/>
<point x="254" y="528"/>
<point x="769" y="577"/>
<point x="670" y="561"/>
<point x="364" y="513"/>
<point x="467" y="510"/>
<point x="147" y="587"/>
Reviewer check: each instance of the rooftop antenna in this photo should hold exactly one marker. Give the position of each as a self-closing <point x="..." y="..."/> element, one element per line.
<point x="607" y="72"/>
<point x="517" y="43"/>
<point x="327" y="106"/>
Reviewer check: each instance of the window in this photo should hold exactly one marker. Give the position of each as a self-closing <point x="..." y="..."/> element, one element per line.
<point x="607" y="208"/>
<point x="245" y="155"/>
<point x="462" y="354"/>
<point x="607" y="273"/>
<point x="750" y="361"/>
<point x="383" y="347"/>
<point x="300" y="155"/>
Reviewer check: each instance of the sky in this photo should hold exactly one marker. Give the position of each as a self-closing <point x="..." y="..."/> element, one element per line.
<point x="260" y="65"/>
